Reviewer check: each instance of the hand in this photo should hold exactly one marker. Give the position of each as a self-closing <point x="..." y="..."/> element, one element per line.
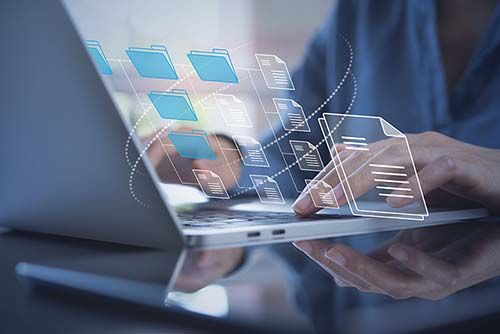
<point x="204" y="267"/>
<point x="429" y="263"/>
<point x="165" y="159"/>
<point x="463" y="170"/>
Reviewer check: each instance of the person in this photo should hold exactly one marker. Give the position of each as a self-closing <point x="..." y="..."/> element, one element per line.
<point x="431" y="68"/>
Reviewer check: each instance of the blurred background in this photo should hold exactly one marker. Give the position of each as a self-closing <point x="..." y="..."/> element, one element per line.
<point x="278" y="27"/>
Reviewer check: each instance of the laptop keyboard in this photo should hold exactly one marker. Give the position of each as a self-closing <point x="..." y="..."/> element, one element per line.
<point x="221" y="219"/>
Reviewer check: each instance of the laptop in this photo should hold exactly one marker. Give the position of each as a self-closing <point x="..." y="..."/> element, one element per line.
<point x="63" y="167"/>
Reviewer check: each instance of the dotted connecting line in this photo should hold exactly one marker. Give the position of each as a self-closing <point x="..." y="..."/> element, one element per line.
<point x="138" y="160"/>
<point x="318" y="109"/>
<point x="348" y="110"/>
<point x="139" y="120"/>
<point x="157" y="137"/>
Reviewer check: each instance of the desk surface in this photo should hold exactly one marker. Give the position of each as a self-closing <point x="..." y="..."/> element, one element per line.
<point x="260" y="298"/>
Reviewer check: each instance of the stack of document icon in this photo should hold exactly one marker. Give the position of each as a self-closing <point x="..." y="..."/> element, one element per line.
<point x="291" y="115"/>
<point x="275" y="72"/>
<point x="153" y="62"/>
<point x="322" y="194"/>
<point x="389" y="177"/>
<point x="211" y="184"/>
<point x="174" y="104"/>
<point x="99" y="58"/>
<point x="267" y="189"/>
<point x="215" y="65"/>
<point x="251" y="151"/>
<point x="233" y="110"/>
<point x="307" y="155"/>
<point x="192" y="145"/>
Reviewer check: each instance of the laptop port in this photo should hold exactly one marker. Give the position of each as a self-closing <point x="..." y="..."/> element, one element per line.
<point x="253" y="234"/>
<point x="278" y="232"/>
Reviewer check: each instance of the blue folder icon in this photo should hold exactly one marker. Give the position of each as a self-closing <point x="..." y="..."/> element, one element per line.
<point x="174" y="104"/>
<point x="213" y="66"/>
<point x="152" y="62"/>
<point x="99" y="58"/>
<point x="192" y="145"/>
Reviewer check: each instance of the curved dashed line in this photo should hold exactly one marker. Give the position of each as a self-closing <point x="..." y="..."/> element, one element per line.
<point x="318" y="109"/>
<point x="348" y="110"/>
<point x="139" y="120"/>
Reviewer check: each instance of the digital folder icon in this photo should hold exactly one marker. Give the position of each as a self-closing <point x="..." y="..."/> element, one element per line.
<point x="98" y="57"/>
<point x="213" y="66"/>
<point x="174" y="104"/>
<point x="153" y="62"/>
<point x="192" y="145"/>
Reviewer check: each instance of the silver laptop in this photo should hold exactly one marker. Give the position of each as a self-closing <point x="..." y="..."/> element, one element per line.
<point x="64" y="172"/>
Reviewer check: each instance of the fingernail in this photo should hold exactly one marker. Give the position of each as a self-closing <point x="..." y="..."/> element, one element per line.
<point x="303" y="246"/>
<point x="395" y="202"/>
<point x="302" y="204"/>
<point x="338" y="192"/>
<point x="335" y="256"/>
<point x="397" y="252"/>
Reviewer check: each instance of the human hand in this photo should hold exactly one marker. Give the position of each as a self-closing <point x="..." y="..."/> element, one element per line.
<point x="429" y="263"/>
<point x="203" y="267"/>
<point x="165" y="159"/>
<point x="461" y="169"/>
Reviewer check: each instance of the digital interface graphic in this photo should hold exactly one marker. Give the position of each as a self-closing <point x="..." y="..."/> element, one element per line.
<point x="218" y="69"/>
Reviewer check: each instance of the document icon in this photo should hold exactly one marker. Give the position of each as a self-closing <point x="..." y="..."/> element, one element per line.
<point x="267" y="189"/>
<point x="192" y="145"/>
<point x="233" y="110"/>
<point x="174" y="104"/>
<point x="251" y="151"/>
<point x="322" y="194"/>
<point x="153" y="62"/>
<point x="390" y="170"/>
<point x="215" y="65"/>
<point x="291" y="115"/>
<point x="307" y="155"/>
<point x="275" y="72"/>
<point x="99" y="58"/>
<point x="211" y="184"/>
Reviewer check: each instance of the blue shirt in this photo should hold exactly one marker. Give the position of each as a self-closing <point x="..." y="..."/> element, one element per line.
<point x="399" y="76"/>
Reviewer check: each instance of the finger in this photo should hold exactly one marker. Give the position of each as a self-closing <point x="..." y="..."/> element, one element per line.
<point x="431" y="268"/>
<point x="385" y="278"/>
<point x="316" y="250"/>
<point x="432" y="176"/>
<point x="304" y="205"/>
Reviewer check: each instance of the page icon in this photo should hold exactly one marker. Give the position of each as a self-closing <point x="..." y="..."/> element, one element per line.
<point x="291" y="115"/>
<point x="322" y="194"/>
<point x="233" y="110"/>
<point x="390" y="169"/>
<point x="267" y="189"/>
<point x="192" y="145"/>
<point x="211" y="184"/>
<point x="174" y="104"/>
<point x="275" y="72"/>
<point x="251" y="151"/>
<point x="215" y="65"/>
<point x="98" y="57"/>
<point x="153" y="62"/>
<point x="307" y="155"/>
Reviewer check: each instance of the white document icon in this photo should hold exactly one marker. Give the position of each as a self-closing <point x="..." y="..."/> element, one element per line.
<point x="392" y="176"/>
<point x="267" y="189"/>
<point x="307" y="155"/>
<point x="275" y="72"/>
<point x="322" y="194"/>
<point x="211" y="184"/>
<point x="291" y="115"/>
<point x="233" y="110"/>
<point x="251" y="151"/>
